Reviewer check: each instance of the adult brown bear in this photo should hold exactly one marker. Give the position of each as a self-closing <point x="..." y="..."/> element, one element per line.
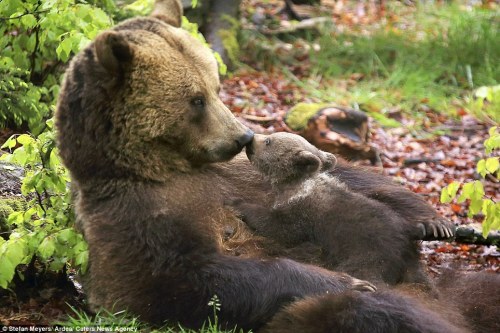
<point x="141" y="127"/>
<point x="139" y="122"/>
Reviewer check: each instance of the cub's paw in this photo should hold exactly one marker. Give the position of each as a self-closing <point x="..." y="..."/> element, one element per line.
<point x="362" y="285"/>
<point x="436" y="229"/>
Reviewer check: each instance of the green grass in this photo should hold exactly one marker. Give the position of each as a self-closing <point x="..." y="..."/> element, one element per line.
<point x="439" y="60"/>
<point x="121" y="321"/>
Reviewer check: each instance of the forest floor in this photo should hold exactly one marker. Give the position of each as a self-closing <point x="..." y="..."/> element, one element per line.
<point x="425" y="152"/>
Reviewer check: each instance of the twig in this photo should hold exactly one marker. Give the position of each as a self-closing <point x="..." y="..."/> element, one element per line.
<point x="39" y="199"/>
<point x="257" y="118"/>
<point x="410" y="161"/>
<point x="33" y="54"/>
<point x="19" y="16"/>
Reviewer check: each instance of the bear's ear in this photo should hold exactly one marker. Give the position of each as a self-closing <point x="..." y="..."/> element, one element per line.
<point x="113" y="51"/>
<point x="169" y="11"/>
<point x="330" y="161"/>
<point x="306" y="162"/>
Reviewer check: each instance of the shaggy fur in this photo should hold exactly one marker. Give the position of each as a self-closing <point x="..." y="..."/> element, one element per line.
<point x="139" y="125"/>
<point x="369" y="241"/>
<point x="475" y="295"/>
<point x="147" y="142"/>
<point x="353" y="312"/>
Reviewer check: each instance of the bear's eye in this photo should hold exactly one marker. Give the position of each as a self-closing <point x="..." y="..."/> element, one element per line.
<point x="267" y="141"/>
<point x="198" y="102"/>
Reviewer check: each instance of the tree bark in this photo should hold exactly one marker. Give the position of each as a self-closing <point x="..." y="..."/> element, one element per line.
<point x="217" y="21"/>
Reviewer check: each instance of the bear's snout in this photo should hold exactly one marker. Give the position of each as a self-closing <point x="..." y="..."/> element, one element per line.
<point x="245" y="139"/>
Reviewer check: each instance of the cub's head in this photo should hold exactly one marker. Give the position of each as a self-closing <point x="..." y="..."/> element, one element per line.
<point x="287" y="158"/>
<point x="142" y="100"/>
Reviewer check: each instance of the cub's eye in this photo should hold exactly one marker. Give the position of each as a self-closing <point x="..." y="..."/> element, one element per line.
<point x="267" y="141"/>
<point x="198" y="102"/>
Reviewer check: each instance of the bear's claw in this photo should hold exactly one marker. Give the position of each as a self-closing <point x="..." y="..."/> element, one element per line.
<point x="436" y="229"/>
<point x="362" y="285"/>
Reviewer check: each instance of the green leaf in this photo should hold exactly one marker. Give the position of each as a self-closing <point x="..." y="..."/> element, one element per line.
<point x="64" y="49"/>
<point x="453" y="188"/>
<point x="7" y="271"/>
<point x="25" y="139"/>
<point x="46" y="248"/>
<point x="16" y="218"/>
<point x="10" y="143"/>
<point x="140" y="7"/>
<point x="492" y="164"/>
<point x="82" y="259"/>
<point x="481" y="168"/>
<point x="29" y="21"/>
<point x="16" y="251"/>
<point x="475" y="206"/>
<point x="445" y="197"/>
<point x="66" y="236"/>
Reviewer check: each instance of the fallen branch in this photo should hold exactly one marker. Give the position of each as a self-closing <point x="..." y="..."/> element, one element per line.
<point x="472" y="234"/>
<point x="260" y="119"/>
<point x="312" y="24"/>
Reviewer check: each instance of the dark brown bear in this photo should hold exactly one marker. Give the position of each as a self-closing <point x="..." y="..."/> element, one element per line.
<point x="475" y="295"/>
<point x="354" y="312"/>
<point x="468" y="302"/>
<point x="359" y="235"/>
<point x="139" y="123"/>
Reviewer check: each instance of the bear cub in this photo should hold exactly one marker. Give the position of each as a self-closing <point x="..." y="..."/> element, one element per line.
<point x="369" y="241"/>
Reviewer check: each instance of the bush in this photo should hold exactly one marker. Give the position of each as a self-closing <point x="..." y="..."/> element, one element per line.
<point x="41" y="37"/>
<point x="38" y="37"/>
<point x="474" y="191"/>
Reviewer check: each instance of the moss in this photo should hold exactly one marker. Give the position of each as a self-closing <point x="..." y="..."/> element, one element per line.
<point x="299" y="115"/>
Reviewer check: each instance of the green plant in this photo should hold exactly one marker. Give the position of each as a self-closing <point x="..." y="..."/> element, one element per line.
<point x="121" y="320"/>
<point x="44" y="229"/>
<point x="474" y="191"/>
<point x="38" y="37"/>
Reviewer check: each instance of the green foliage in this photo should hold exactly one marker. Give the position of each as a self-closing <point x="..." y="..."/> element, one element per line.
<point x="474" y="191"/>
<point x="192" y="28"/>
<point x="38" y="36"/>
<point x="462" y="55"/>
<point x="140" y="7"/>
<point x="44" y="228"/>
<point x="229" y="38"/>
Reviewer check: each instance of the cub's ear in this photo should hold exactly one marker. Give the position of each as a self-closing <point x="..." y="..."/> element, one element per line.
<point x="169" y="11"/>
<point x="306" y="162"/>
<point x="113" y="51"/>
<point x="330" y="161"/>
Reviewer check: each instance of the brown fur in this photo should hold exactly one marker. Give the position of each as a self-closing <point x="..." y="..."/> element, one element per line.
<point x="476" y="296"/>
<point x="369" y="240"/>
<point x="152" y="198"/>
<point x="353" y="312"/>
<point x="140" y="126"/>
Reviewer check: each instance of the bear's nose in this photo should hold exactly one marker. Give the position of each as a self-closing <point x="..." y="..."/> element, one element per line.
<point x="245" y="139"/>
